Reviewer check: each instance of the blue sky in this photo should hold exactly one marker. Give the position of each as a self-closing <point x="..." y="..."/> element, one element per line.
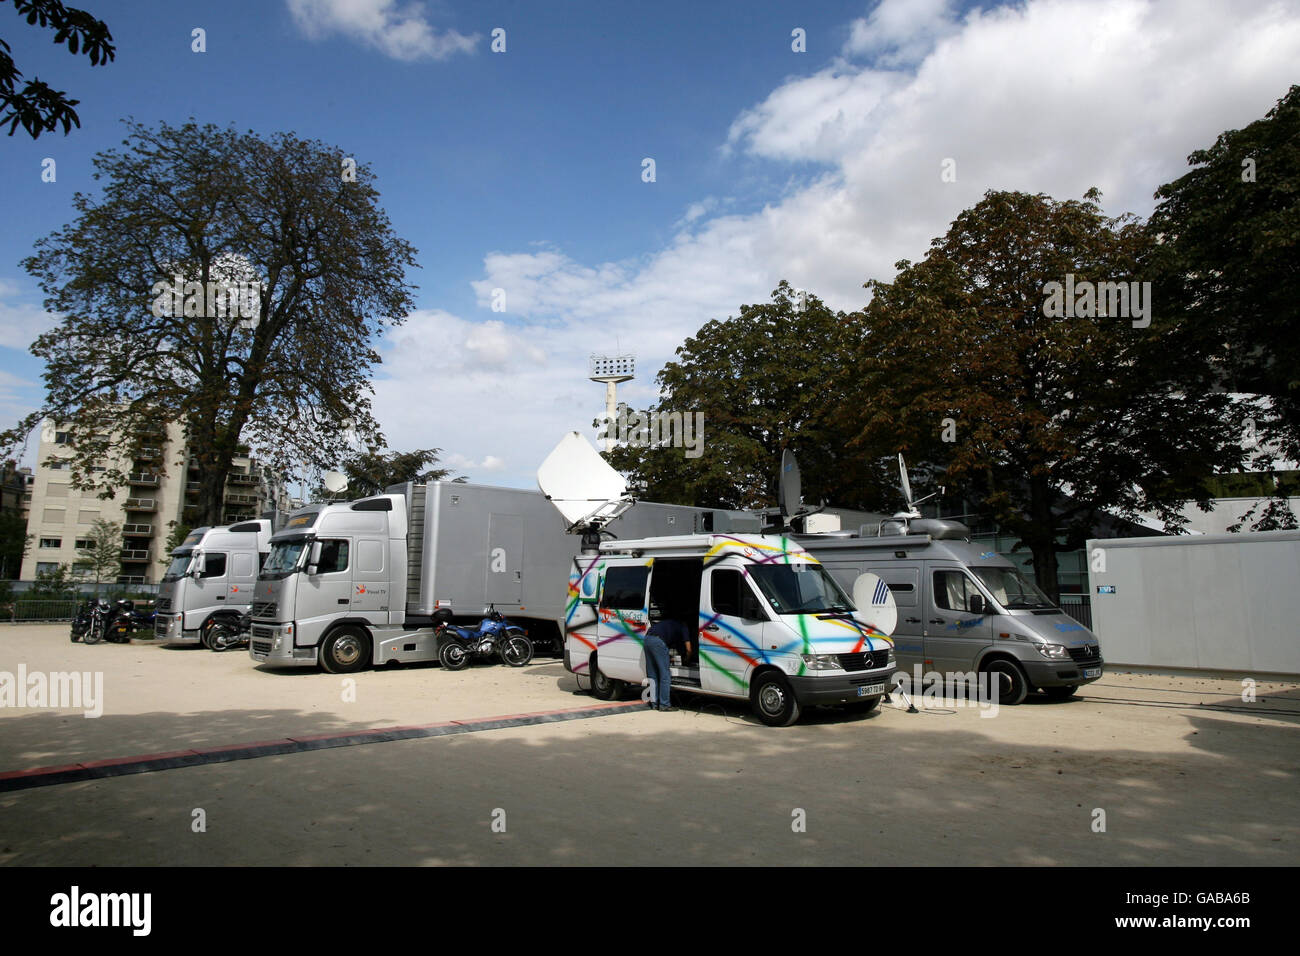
<point x="522" y="170"/>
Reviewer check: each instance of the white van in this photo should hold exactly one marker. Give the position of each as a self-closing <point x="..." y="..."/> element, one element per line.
<point x="773" y="626"/>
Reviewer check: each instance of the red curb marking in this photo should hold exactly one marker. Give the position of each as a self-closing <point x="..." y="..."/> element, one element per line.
<point x="285" y="741"/>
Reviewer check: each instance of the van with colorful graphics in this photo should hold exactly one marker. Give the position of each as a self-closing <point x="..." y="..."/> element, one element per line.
<point x="774" y="628"/>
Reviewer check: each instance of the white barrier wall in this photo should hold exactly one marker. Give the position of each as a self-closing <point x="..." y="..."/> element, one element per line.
<point x="1217" y="602"/>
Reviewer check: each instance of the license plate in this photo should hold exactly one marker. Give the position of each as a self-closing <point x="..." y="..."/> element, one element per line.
<point x="870" y="690"/>
<point x="1092" y="672"/>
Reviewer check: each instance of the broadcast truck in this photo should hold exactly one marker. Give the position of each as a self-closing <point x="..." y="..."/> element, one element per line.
<point x="210" y="578"/>
<point x="354" y="584"/>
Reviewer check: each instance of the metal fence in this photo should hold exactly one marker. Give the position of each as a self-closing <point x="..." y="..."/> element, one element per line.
<point x="1079" y="607"/>
<point x="39" y="610"/>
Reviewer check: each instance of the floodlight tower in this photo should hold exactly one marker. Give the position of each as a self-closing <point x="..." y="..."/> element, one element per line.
<point x="612" y="369"/>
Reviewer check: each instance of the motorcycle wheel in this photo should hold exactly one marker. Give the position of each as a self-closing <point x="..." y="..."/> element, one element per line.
<point x="221" y="638"/>
<point x="453" y="655"/>
<point x="93" y="635"/>
<point x="517" y="650"/>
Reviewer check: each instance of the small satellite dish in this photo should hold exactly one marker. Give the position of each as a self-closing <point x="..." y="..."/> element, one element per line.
<point x="581" y="484"/>
<point x="336" y="482"/>
<point x="875" y="603"/>
<point x="907" y="485"/>
<point x="791" y="485"/>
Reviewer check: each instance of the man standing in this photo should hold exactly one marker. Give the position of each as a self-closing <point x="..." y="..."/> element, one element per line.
<point x="656" y="667"/>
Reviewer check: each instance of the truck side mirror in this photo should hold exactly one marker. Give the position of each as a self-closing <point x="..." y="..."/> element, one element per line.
<point x="976" y="604"/>
<point x="313" y="557"/>
<point x="199" y="566"/>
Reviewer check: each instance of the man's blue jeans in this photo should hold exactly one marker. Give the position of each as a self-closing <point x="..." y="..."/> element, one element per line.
<point x="656" y="668"/>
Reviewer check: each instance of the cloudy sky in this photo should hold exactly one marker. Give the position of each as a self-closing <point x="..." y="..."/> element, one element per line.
<point x="522" y="170"/>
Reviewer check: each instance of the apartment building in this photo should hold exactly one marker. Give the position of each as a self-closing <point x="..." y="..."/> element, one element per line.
<point x="161" y="493"/>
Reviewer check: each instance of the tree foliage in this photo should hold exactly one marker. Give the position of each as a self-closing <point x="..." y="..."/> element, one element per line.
<point x="1042" y="422"/>
<point x="770" y="378"/>
<point x="37" y="107"/>
<point x="209" y="205"/>
<point x="1228" y="265"/>
<point x="102" y="560"/>
<point x="369" y="473"/>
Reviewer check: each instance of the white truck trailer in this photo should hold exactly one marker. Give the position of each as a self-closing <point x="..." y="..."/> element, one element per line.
<point x="1219" y="602"/>
<point x="353" y="584"/>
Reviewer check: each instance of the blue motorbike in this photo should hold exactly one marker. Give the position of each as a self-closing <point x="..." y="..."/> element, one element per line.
<point x="494" y="637"/>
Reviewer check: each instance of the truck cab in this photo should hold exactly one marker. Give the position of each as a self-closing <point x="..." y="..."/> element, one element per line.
<point x="210" y="578"/>
<point x="328" y="585"/>
<point x="772" y="626"/>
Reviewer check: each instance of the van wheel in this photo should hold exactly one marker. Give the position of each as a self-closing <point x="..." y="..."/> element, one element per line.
<point x="1060" y="693"/>
<point x="774" y="701"/>
<point x="345" y="651"/>
<point x="1010" y="682"/>
<point x="604" y="687"/>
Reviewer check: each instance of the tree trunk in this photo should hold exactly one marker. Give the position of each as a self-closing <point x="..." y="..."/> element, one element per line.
<point x="1042" y="537"/>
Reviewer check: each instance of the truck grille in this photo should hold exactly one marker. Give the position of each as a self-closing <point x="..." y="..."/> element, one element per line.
<point x="265" y="609"/>
<point x="1089" y="652"/>
<point x="164" y="604"/>
<point x="261" y="648"/>
<point x="868" y="660"/>
<point x="159" y="627"/>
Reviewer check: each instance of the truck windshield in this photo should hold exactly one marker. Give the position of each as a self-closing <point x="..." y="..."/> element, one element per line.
<point x="284" y="558"/>
<point x="180" y="564"/>
<point x="1011" y="590"/>
<point x="799" y="588"/>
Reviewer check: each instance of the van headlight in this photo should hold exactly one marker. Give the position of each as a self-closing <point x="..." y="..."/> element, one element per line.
<point x="821" y="662"/>
<point x="1057" y="652"/>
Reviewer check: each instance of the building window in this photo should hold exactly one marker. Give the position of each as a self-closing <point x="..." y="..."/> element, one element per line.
<point x="51" y="542"/>
<point x="60" y="466"/>
<point x="45" y="567"/>
<point x="62" y="438"/>
<point x="85" y="544"/>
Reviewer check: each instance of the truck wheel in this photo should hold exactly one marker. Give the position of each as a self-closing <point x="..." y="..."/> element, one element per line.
<point x="453" y="655"/>
<point x="774" y="701"/>
<point x="345" y="651"/>
<point x="603" y="687"/>
<point x="1061" y="693"/>
<point x="1009" y="679"/>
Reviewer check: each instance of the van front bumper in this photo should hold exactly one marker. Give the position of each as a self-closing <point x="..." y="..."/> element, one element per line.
<point x="839" y="688"/>
<point x="1062" y="673"/>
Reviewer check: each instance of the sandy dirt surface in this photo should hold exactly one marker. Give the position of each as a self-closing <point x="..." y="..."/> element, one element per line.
<point x="1185" y="771"/>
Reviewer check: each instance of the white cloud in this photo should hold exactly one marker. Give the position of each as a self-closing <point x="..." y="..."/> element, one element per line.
<point x="20" y="322"/>
<point x="1053" y="96"/>
<point x="400" y="31"/>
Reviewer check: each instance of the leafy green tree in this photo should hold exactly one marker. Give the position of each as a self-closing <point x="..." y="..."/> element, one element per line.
<point x="14" y="541"/>
<point x="37" y="107"/>
<point x="369" y="473"/>
<point x="1042" y="422"/>
<point x="773" y="377"/>
<point x="149" y="334"/>
<point x="1229" y="242"/>
<point x="179" y="532"/>
<point x="52" y="583"/>
<point x="102" y="559"/>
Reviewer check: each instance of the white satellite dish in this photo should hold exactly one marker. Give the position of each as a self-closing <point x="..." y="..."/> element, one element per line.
<point x="581" y="484"/>
<point x="336" y="482"/>
<point x="875" y="603"/>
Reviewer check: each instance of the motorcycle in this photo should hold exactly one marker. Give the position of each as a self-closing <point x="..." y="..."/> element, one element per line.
<point x="97" y="628"/>
<point x="81" y="622"/>
<point x="228" y="633"/>
<point x="495" y="636"/>
<point x="120" y="623"/>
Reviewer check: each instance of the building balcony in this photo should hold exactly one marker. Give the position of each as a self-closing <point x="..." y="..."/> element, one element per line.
<point x="137" y="529"/>
<point x="141" y="504"/>
<point x="237" y="479"/>
<point x="143" y="478"/>
<point x="130" y="579"/>
<point x="149" y="453"/>
<point x="136" y="555"/>
<point x="235" y="519"/>
<point x="236" y="499"/>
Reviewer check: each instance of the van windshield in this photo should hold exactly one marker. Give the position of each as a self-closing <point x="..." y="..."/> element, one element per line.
<point x="799" y="588"/>
<point x="1011" y="590"/>
<point x="284" y="558"/>
<point x="180" y="564"/>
